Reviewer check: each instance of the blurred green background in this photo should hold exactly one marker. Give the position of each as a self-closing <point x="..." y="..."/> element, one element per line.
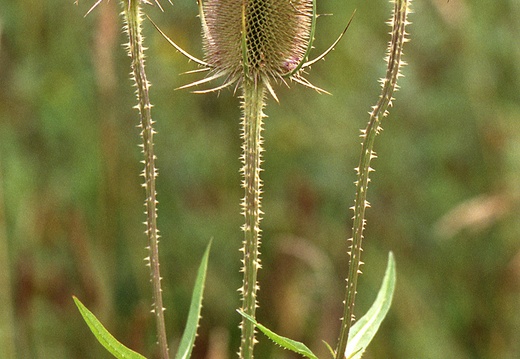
<point x="445" y="194"/>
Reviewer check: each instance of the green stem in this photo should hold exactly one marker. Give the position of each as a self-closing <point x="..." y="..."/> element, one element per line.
<point x="133" y="18"/>
<point x="252" y="122"/>
<point x="389" y="84"/>
<point x="7" y="328"/>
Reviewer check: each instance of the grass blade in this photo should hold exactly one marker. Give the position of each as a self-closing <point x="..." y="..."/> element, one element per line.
<point x="188" y="337"/>
<point x="103" y="336"/>
<point x="364" y="330"/>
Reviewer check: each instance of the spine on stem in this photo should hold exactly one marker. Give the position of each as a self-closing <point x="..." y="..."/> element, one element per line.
<point x="133" y="24"/>
<point x="398" y="23"/>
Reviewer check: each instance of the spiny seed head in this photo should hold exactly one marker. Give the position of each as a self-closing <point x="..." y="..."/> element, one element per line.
<point x="263" y="39"/>
<point x="256" y="40"/>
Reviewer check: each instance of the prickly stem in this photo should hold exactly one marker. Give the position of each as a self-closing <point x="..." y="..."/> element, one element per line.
<point x="252" y="122"/>
<point x="133" y="22"/>
<point x="389" y="85"/>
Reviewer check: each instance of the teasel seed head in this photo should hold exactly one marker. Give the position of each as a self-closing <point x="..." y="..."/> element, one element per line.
<point x="260" y="39"/>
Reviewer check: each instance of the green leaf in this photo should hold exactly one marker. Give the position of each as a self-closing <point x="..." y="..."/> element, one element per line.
<point x="188" y="337"/>
<point x="331" y="351"/>
<point x="103" y="336"/>
<point x="285" y="343"/>
<point x="366" y="328"/>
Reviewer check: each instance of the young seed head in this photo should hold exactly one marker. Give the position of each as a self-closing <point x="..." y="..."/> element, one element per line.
<point x="262" y="40"/>
<point x="256" y="40"/>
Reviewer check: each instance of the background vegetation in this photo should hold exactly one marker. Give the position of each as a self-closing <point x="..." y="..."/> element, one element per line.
<point x="445" y="194"/>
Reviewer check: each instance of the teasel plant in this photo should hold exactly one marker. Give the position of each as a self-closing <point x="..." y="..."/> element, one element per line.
<point x="133" y="19"/>
<point x="253" y="45"/>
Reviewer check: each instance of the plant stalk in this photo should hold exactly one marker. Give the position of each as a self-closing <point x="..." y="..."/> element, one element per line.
<point x="7" y="326"/>
<point x="368" y="135"/>
<point x="133" y="19"/>
<point x="253" y="102"/>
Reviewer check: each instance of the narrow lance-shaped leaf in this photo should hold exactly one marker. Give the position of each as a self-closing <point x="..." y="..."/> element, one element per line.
<point x="284" y="342"/>
<point x="190" y="333"/>
<point x="364" y="330"/>
<point x="104" y="337"/>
